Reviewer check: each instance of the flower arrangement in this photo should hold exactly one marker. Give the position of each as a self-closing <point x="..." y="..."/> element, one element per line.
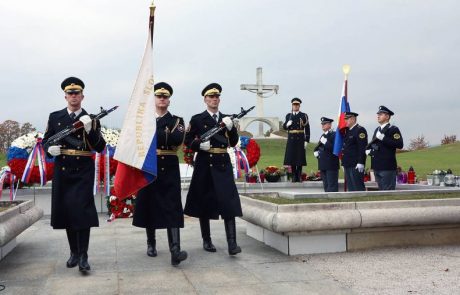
<point x="110" y="136"/>
<point x="120" y="208"/>
<point x="18" y="154"/>
<point x="313" y="176"/>
<point x="252" y="150"/>
<point x="272" y="173"/>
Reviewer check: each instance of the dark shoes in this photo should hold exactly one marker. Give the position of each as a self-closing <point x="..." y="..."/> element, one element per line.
<point x="83" y="264"/>
<point x="151" y="251"/>
<point x="151" y="242"/>
<point x="230" y="230"/>
<point x="208" y="246"/>
<point x="73" y="260"/>
<point x="177" y="256"/>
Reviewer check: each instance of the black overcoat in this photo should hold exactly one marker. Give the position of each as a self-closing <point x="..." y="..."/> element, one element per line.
<point x="383" y="152"/>
<point x="72" y="199"/>
<point x="159" y="204"/>
<point x="212" y="189"/>
<point x="354" y="146"/>
<point x="326" y="158"/>
<point x="298" y="134"/>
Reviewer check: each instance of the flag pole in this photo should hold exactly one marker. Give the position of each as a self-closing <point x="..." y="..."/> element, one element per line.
<point x="346" y="70"/>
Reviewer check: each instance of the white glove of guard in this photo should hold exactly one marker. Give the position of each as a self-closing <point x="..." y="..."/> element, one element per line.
<point x="368" y="152"/>
<point x="379" y="135"/>
<point x="54" y="150"/>
<point x="316" y="154"/>
<point x="323" y="140"/>
<point x="289" y="123"/>
<point x="305" y="145"/>
<point x="360" y="167"/>
<point x="228" y="123"/>
<point x="87" y="123"/>
<point x="205" y="146"/>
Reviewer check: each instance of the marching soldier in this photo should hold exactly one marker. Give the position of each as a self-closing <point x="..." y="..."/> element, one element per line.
<point x="354" y="153"/>
<point x="382" y="149"/>
<point x="212" y="188"/>
<point x="72" y="199"/>
<point x="328" y="163"/>
<point x="298" y="128"/>
<point x="159" y="204"/>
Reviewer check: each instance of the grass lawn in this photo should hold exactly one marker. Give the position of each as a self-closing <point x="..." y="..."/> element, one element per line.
<point x="282" y="201"/>
<point x="2" y="160"/>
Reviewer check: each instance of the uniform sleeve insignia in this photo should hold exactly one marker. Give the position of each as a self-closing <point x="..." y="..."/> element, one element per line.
<point x="180" y="128"/>
<point x="396" y="136"/>
<point x="362" y="135"/>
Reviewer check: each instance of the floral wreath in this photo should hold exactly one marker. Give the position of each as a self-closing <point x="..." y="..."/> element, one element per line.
<point x="252" y="150"/>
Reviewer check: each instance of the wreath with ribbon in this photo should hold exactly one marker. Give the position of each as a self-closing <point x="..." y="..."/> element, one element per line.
<point x="252" y="150"/>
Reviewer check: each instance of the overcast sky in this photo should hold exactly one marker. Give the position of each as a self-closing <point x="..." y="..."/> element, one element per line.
<point x="403" y="54"/>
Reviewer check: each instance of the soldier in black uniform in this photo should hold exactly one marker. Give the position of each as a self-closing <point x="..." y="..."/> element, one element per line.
<point x="354" y="153"/>
<point x="382" y="149"/>
<point x="212" y="188"/>
<point x="159" y="204"/>
<point x="328" y="163"/>
<point x="72" y="199"/>
<point x="298" y="128"/>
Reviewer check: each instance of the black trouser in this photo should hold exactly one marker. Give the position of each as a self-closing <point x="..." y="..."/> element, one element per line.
<point x="330" y="180"/>
<point x="354" y="179"/>
<point x="296" y="173"/>
<point x="78" y="240"/>
<point x="386" y="179"/>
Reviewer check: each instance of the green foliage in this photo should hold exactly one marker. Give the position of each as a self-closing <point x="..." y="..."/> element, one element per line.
<point x="2" y="159"/>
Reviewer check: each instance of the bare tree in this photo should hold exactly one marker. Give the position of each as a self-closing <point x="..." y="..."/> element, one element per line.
<point x="27" y="128"/>
<point x="9" y="131"/>
<point x="418" y="143"/>
<point x="449" y="139"/>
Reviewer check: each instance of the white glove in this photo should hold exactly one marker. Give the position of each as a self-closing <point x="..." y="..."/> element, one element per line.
<point x="305" y="145"/>
<point x="228" y="123"/>
<point x="360" y="168"/>
<point x="205" y="146"/>
<point x="289" y="123"/>
<point x="54" y="150"/>
<point x="316" y="154"/>
<point x="368" y="152"/>
<point x="323" y="140"/>
<point x="87" y="123"/>
<point x="379" y="135"/>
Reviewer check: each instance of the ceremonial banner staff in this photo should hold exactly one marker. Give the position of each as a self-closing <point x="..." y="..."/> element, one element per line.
<point x="136" y="149"/>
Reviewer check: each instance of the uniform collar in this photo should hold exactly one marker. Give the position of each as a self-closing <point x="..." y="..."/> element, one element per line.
<point x="383" y="125"/>
<point x="77" y="113"/>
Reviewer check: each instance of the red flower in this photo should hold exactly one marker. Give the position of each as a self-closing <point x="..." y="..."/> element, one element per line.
<point x="252" y="152"/>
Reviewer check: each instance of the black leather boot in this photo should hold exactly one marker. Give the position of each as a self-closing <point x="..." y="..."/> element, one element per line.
<point x="174" y="246"/>
<point x="230" y="230"/>
<point x="72" y="238"/>
<point x="83" y="243"/>
<point x="206" y="235"/>
<point x="151" y="242"/>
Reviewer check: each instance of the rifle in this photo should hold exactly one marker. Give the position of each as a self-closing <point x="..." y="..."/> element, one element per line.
<point x="374" y="140"/>
<point x="216" y="129"/>
<point x="53" y="140"/>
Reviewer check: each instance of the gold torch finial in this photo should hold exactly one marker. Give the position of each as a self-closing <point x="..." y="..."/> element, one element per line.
<point x="346" y="69"/>
<point x="152" y="9"/>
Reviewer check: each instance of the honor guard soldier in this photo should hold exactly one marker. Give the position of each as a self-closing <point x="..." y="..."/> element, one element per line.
<point x="72" y="199"/>
<point x="298" y="129"/>
<point x="382" y="149"/>
<point x="354" y="153"/>
<point x="212" y="189"/>
<point x="328" y="163"/>
<point x="159" y="204"/>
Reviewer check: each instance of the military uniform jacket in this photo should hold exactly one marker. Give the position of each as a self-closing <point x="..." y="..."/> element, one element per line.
<point x="383" y="152"/>
<point x="326" y="159"/>
<point x="212" y="189"/>
<point x="298" y="134"/>
<point x="72" y="199"/>
<point x="159" y="204"/>
<point x="354" y="146"/>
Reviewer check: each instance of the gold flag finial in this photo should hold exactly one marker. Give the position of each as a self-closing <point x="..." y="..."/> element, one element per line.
<point x="346" y="69"/>
<point x="152" y="9"/>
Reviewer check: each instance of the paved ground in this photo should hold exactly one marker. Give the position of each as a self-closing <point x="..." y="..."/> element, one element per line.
<point x="120" y="265"/>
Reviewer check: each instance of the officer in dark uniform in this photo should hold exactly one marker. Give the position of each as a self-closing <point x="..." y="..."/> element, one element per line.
<point x="159" y="204"/>
<point x="354" y="153"/>
<point x="72" y="199"/>
<point x="328" y="163"/>
<point x="382" y="149"/>
<point x="212" y="189"/>
<point x="298" y="128"/>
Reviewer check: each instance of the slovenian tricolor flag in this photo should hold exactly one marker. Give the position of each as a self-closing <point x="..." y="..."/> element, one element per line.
<point x="136" y="149"/>
<point x="341" y="124"/>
